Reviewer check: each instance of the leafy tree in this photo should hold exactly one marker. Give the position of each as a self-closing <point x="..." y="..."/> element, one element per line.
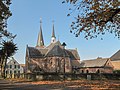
<point x="4" y="15"/>
<point x="8" y="50"/>
<point x="95" y="17"/>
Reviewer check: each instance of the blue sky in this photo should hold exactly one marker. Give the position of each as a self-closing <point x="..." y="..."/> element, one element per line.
<point x="25" y="22"/>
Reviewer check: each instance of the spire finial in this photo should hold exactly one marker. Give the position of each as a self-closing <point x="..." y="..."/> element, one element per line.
<point x="53" y="21"/>
<point x="40" y="20"/>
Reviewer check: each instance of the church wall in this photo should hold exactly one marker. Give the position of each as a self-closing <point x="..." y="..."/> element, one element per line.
<point x="50" y="64"/>
<point x="75" y="63"/>
<point x="96" y="70"/>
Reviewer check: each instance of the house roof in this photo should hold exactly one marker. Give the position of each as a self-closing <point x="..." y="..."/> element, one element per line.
<point x="116" y="65"/>
<point x="54" y="49"/>
<point x="12" y="60"/>
<point x="99" y="62"/>
<point x="116" y="56"/>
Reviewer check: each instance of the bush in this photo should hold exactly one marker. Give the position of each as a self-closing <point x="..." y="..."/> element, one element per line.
<point x="116" y="71"/>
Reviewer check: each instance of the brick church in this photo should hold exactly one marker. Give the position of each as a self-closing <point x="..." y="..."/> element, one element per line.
<point x="54" y="58"/>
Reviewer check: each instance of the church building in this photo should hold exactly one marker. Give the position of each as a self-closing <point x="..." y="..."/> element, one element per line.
<point x="54" y="58"/>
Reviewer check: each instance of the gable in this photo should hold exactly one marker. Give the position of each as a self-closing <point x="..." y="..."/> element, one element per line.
<point x="53" y="44"/>
<point x="108" y="64"/>
<point x="56" y="51"/>
<point x="73" y="54"/>
<point x="12" y="62"/>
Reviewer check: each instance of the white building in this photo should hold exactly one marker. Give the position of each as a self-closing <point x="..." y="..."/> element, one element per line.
<point x="14" y="69"/>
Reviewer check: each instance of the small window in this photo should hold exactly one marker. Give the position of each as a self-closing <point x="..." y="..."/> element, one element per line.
<point x="6" y="72"/>
<point x="82" y="71"/>
<point x="18" y="72"/>
<point x="10" y="66"/>
<point x="98" y="71"/>
<point x="10" y="71"/>
<point x="14" y="72"/>
<point x="15" y="66"/>
<point x="87" y="71"/>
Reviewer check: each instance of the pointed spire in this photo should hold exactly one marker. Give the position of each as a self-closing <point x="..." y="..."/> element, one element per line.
<point x="53" y="38"/>
<point x="40" y="41"/>
<point x="53" y="32"/>
<point x="58" y="37"/>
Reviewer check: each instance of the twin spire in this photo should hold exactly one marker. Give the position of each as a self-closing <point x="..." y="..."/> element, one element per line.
<point x="40" y="41"/>
<point x="53" y="38"/>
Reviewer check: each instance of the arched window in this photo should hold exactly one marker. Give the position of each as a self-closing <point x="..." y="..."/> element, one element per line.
<point x="98" y="71"/>
<point x="87" y="71"/>
<point x="82" y="71"/>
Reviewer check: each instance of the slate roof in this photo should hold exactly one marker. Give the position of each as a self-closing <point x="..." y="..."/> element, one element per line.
<point x="116" y="56"/>
<point x="73" y="54"/>
<point x="94" y="63"/>
<point x="35" y="52"/>
<point x="54" y="49"/>
<point x="53" y="44"/>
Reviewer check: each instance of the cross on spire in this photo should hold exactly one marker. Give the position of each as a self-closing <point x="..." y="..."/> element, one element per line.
<point x="40" y="20"/>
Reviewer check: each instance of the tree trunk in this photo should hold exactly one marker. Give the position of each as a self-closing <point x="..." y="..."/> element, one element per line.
<point x="2" y="65"/>
<point x="5" y="62"/>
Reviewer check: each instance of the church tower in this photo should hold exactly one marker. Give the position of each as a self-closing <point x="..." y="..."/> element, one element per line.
<point x="40" y="41"/>
<point x="53" y="38"/>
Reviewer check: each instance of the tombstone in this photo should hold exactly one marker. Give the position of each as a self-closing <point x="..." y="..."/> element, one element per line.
<point x="39" y="77"/>
<point x="88" y="77"/>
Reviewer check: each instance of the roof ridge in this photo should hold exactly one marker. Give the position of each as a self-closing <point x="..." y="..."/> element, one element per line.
<point x="115" y="53"/>
<point x="51" y="49"/>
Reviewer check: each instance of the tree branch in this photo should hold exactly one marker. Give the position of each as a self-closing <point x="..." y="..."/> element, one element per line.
<point x="113" y="12"/>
